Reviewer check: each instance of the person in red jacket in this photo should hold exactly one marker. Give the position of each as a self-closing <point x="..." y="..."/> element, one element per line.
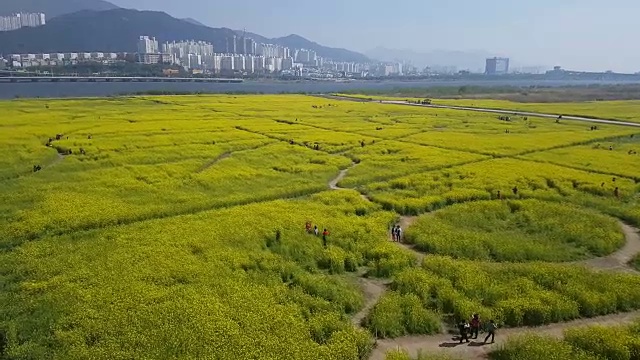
<point x="325" y="234"/>
<point x="475" y="326"/>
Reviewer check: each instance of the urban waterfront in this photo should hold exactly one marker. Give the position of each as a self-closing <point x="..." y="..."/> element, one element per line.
<point x="55" y="90"/>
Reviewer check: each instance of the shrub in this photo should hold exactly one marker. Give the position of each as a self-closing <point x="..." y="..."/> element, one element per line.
<point x="607" y="343"/>
<point x="534" y="347"/>
<point x="396" y="315"/>
<point x="517" y="231"/>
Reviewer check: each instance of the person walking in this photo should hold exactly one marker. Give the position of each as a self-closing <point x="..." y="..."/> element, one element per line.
<point x="399" y="234"/>
<point x="316" y="231"/>
<point x="325" y="234"/>
<point x="393" y="233"/>
<point x="475" y="326"/>
<point x="491" y="332"/>
<point x="463" y="327"/>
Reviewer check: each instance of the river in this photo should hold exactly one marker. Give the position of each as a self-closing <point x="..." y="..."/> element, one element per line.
<point x="81" y="89"/>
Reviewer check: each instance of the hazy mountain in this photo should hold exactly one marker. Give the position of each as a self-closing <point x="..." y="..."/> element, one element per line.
<point x="53" y="8"/>
<point x="460" y="59"/>
<point x="118" y="31"/>
<point x="193" y="21"/>
<point x="298" y="42"/>
<point x="112" y="31"/>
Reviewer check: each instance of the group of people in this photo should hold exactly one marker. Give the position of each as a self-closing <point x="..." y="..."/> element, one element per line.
<point x="514" y="191"/>
<point x="396" y="233"/>
<point x="472" y="328"/>
<point x="313" y="229"/>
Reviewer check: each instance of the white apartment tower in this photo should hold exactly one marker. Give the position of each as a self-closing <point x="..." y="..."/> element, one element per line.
<point x="147" y="45"/>
<point x="17" y="21"/>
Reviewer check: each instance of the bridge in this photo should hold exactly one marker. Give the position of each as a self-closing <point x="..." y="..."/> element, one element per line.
<point x="23" y="79"/>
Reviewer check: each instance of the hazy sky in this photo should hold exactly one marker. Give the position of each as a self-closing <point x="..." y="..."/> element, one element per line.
<point x="577" y="34"/>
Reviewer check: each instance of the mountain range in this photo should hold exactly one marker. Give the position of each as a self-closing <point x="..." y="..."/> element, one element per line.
<point x="97" y="25"/>
<point x="53" y="8"/>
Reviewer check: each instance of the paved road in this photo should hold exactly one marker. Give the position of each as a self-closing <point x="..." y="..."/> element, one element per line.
<point x="517" y="113"/>
<point x="493" y="111"/>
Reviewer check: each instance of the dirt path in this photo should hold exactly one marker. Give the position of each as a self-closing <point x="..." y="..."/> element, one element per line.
<point x="213" y="162"/>
<point x="373" y="290"/>
<point x="405" y="222"/>
<point x="333" y="184"/>
<point x="58" y="159"/>
<point x="619" y="260"/>
<point x="476" y="349"/>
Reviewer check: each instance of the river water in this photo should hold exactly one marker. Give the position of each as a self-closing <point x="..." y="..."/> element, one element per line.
<point x="62" y="89"/>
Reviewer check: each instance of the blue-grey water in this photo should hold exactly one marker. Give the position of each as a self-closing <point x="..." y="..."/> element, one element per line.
<point x="62" y="89"/>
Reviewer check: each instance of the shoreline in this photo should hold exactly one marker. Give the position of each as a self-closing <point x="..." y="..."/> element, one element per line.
<point x="105" y="89"/>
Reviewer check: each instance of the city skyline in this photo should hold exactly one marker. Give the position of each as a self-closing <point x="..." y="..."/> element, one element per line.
<point x="577" y="35"/>
<point x="243" y="54"/>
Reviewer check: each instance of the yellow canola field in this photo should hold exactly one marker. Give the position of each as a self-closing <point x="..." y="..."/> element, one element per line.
<point x="174" y="227"/>
<point x="626" y="110"/>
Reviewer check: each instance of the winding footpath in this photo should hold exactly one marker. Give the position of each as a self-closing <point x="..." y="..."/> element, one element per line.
<point x="213" y="162"/>
<point x="619" y="260"/>
<point x="333" y="184"/>
<point x="374" y="289"/>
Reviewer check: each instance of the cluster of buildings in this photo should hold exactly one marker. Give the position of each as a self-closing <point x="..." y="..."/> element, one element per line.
<point x="17" y="21"/>
<point x="243" y="55"/>
<point x="60" y="59"/>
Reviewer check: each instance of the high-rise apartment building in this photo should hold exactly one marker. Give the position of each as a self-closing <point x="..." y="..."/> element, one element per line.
<point x="182" y="53"/>
<point x="287" y="63"/>
<point x="147" y="45"/>
<point x="249" y="46"/>
<point x="234" y="45"/>
<point x="16" y="21"/>
<point x="239" y="62"/>
<point x="227" y="63"/>
<point x="259" y="64"/>
<point x="307" y="57"/>
<point x="249" y="64"/>
<point x="272" y="50"/>
<point x="497" y="66"/>
<point x="148" y="51"/>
